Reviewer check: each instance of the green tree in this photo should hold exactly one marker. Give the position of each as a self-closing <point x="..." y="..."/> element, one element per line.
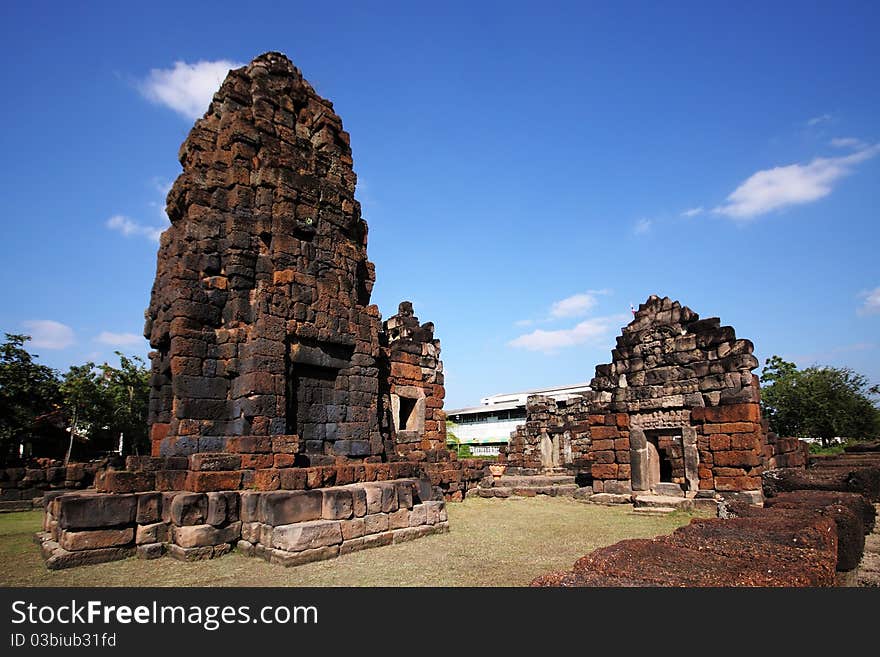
<point x="819" y="402"/>
<point x="127" y="392"/>
<point x="27" y="390"/>
<point x="86" y="405"/>
<point x="454" y="443"/>
<point x="105" y="404"/>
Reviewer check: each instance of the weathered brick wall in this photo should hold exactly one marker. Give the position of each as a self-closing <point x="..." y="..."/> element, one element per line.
<point x="415" y="388"/>
<point x="260" y="317"/>
<point x="552" y="438"/>
<point x="677" y="386"/>
<point x="450" y="476"/>
<point x="33" y="479"/>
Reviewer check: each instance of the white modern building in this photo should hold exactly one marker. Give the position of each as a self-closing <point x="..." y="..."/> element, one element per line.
<point x="487" y="427"/>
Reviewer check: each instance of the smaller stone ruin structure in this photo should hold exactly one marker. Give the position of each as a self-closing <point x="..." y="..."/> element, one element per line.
<point x="677" y="412"/>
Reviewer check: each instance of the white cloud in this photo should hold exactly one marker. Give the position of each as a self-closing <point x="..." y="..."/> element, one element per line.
<point x="49" y="334"/>
<point x="871" y="305"/>
<point x="848" y="142"/>
<point x="120" y="339"/>
<point x="573" y="306"/>
<point x="816" y="120"/>
<point x="551" y="341"/>
<point x="795" y="184"/>
<point x="642" y="227"/>
<point x="131" y="228"/>
<point x="692" y="212"/>
<point x="186" y="88"/>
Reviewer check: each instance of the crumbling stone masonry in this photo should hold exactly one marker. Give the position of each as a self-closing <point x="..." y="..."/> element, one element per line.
<point x="415" y="378"/>
<point x="284" y="527"/>
<point x="23" y="487"/>
<point x="271" y="370"/>
<point x="677" y="410"/>
<point x="260" y="316"/>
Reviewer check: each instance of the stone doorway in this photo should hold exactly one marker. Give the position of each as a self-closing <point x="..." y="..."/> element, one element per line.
<point x="664" y="461"/>
<point x="665" y="458"/>
<point x="315" y="406"/>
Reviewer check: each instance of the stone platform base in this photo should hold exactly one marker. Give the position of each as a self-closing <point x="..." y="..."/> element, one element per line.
<point x="13" y="506"/>
<point x="651" y="504"/>
<point x="526" y="486"/>
<point x="288" y="527"/>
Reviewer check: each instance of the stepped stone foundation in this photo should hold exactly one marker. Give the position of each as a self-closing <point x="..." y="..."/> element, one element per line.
<point x="286" y="527"/>
<point x="273" y="376"/>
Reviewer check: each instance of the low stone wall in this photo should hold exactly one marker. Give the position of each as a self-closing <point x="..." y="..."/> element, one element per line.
<point x="288" y="527"/>
<point x="455" y="477"/>
<point x="252" y="469"/>
<point x="864" y="480"/>
<point x="255" y="466"/>
<point x="23" y="487"/>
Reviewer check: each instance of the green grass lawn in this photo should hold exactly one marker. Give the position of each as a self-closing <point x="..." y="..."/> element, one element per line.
<point x="491" y="543"/>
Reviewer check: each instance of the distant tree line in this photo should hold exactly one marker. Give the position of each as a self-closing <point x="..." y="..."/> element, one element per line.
<point x="822" y="403"/>
<point x="80" y="414"/>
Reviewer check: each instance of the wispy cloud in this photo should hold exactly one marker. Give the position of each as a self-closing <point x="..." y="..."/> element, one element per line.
<point x="642" y="227"/>
<point x="692" y="212"/>
<point x="871" y="304"/>
<point x="589" y="330"/>
<point x="131" y="228"/>
<point x="120" y="339"/>
<point x="49" y="334"/>
<point x="816" y="120"/>
<point x="574" y="306"/>
<point x="848" y="142"/>
<point x="186" y="88"/>
<point x="795" y="184"/>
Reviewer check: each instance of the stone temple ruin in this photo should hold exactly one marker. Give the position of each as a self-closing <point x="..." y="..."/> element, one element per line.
<point x="675" y="413"/>
<point x="290" y="422"/>
<point x="286" y="418"/>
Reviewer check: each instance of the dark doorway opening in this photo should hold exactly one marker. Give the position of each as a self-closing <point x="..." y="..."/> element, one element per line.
<point x="665" y="457"/>
<point x="406" y="417"/>
<point x="665" y="467"/>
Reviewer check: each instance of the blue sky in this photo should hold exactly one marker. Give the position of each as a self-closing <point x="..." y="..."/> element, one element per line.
<point x="528" y="170"/>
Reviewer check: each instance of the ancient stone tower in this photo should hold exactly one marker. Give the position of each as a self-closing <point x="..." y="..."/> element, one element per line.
<point x="287" y="420"/>
<point x="260" y="314"/>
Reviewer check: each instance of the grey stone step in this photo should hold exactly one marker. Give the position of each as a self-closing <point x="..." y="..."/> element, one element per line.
<point x="16" y="505"/>
<point x="610" y="498"/>
<point x="564" y="490"/>
<point x="662" y="501"/>
<point x="665" y="488"/>
<point x="654" y="510"/>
